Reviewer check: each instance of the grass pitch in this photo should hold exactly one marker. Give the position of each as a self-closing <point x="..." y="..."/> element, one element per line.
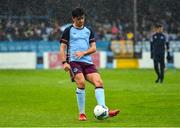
<point x="40" y="98"/>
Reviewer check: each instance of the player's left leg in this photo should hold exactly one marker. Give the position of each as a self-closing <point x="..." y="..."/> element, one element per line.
<point x="96" y="80"/>
<point x="80" y="94"/>
<point x="78" y="77"/>
<point x="162" y="67"/>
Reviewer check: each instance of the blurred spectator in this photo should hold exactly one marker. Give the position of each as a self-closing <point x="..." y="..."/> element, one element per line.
<point x="49" y="30"/>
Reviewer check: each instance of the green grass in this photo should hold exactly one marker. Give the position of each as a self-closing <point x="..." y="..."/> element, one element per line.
<point x="47" y="98"/>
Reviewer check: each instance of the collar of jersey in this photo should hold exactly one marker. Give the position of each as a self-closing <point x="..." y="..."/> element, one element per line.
<point x="78" y="28"/>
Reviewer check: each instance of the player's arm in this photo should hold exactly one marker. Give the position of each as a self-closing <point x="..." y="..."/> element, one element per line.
<point x="167" y="46"/>
<point x="167" y="42"/>
<point x="151" y="47"/>
<point x="91" y="50"/>
<point x="63" y="48"/>
<point x="168" y="52"/>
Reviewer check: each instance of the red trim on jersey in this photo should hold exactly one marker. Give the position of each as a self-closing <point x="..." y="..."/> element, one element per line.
<point x="92" y="40"/>
<point x="64" y="41"/>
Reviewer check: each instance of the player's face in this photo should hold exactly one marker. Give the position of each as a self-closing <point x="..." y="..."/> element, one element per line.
<point x="160" y="29"/>
<point x="79" y="21"/>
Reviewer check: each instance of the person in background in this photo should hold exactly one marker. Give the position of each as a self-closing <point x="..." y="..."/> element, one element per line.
<point x="159" y="43"/>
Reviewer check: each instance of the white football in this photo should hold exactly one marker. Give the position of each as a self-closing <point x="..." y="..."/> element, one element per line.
<point x="101" y="112"/>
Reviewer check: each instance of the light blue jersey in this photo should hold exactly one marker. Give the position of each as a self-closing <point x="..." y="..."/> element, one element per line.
<point x="78" y="40"/>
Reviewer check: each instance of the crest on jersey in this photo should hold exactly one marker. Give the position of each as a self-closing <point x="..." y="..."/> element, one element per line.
<point x="75" y="70"/>
<point x="162" y="37"/>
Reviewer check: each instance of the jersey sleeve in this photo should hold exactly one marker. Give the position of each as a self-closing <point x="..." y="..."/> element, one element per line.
<point x="166" y="37"/>
<point x="151" y="38"/>
<point x="167" y="40"/>
<point x="151" y="45"/>
<point x="91" y="37"/>
<point x="151" y="42"/>
<point x="65" y="36"/>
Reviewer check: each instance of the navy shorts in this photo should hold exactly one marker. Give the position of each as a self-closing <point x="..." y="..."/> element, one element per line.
<point x="81" y="67"/>
<point x="159" y="58"/>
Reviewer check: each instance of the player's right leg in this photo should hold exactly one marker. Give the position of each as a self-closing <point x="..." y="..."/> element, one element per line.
<point x="78" y="77"/>
<point x="80" y="94"/>
<point x="156" y="68"/>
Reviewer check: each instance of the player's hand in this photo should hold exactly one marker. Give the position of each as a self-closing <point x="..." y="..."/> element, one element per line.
<point x="152" y="55"/>
<point x="168" y="57"/>
<point x="79" y="54"/>
<point x="66" y="67"/>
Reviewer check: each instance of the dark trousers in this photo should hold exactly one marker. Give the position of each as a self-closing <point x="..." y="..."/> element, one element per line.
<point x="159" y="66"/>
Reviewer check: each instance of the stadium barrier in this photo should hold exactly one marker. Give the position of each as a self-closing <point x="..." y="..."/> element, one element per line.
<point x="104" y="59"/>
<point x="177" y="59"/>
<point x="145" y="61"/>
<point x="46" y="55"/>
<point x="51" y="60"/>
<point x="126" y="63"/>
<point x="21" y="60"/>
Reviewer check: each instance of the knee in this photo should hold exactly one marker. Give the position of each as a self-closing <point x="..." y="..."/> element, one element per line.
<point x="98" y="83"/>
<point x="81" y="83"/>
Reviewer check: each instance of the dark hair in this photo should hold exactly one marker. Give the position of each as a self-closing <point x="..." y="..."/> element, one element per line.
<point x="158" y="26"/>
<point x="77" y="12"/>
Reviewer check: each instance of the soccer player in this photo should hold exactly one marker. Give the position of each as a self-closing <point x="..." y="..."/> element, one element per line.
<point x="158" y="44"/>
<point x="77" y="43"/>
